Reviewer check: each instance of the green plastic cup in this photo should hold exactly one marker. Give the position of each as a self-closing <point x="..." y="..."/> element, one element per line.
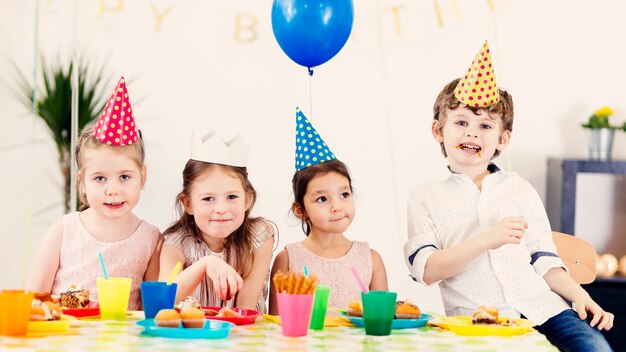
<point x="113" y="297"/>
<point x="320" y="302"/>
<point x="378" y="310"/>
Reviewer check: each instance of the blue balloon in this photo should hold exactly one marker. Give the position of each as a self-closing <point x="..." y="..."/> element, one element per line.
<point x="311" y="32"/>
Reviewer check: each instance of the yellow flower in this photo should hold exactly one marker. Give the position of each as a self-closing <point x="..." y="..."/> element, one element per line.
<point x="605" y="111"/>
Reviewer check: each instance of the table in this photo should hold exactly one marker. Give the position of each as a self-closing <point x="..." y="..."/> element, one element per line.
<point x="95" y="335"/>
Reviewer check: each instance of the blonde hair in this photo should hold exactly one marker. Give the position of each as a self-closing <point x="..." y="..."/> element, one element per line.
<point x="446" y="101"/>
<point x="87" y="141"/>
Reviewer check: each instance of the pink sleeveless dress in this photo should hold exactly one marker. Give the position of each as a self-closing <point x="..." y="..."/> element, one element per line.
<point x="335" y="272"/>
<point x="79" y="263"/>
<point x="195" y="249"/>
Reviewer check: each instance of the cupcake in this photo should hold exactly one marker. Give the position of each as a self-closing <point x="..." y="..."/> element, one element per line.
<point x="192" y="317"/>
<point x="167" y="318"/>
<point x="407" y="310"/>
<point x="355" y="309"/>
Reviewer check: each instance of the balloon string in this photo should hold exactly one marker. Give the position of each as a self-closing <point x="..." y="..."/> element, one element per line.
<point x="311" y="93"/>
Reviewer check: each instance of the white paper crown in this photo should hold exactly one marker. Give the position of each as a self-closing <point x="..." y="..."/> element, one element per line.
<point x="211" y="148"/>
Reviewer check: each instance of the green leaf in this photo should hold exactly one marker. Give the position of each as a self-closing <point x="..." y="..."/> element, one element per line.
<point x="53" y="102"/>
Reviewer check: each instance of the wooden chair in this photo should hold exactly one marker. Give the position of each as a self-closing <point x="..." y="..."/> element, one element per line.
<point x="578" y="255"/>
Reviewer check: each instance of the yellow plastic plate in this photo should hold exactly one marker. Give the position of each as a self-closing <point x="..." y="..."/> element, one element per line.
<point x="462" y="325"/>
<point x="51" y="326"/>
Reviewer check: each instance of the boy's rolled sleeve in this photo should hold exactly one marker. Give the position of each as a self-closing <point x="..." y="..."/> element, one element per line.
<point x="538" y="237"/>
<point x="416" y="255"/>
<point x="544" y="261"/>
<point x="422" y="242"/>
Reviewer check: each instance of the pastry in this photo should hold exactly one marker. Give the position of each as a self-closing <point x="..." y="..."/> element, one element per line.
<point x="485" y="315"/>
<point x="355" y="309"/>
<point x="167" y="318"/>
<point x="45" y="311"/>
<point x="45" y="297"/>
<point x="407" y="310"/>
<point x="189" y="302"/>
<point x="227" y="312"/>
<point x="74" y="297"/>
<point x="192" y="317"/>
<point x="210" y="312"/>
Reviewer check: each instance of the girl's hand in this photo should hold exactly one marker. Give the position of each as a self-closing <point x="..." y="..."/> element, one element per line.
<point x="507" y="230"/>
<point x="584" y="304"/>
<point x="226" y="281"/>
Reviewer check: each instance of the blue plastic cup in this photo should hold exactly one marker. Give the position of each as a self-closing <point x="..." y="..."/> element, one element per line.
<point x="157" y="295"/>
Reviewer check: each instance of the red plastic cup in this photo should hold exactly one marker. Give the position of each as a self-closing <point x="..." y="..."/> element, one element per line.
<point x="295" y="313"/>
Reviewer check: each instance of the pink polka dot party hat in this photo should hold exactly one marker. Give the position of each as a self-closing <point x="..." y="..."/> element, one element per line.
<point x="116" y="125"/>
<point x="310" y="147"/>
<point x="478" y="86"/>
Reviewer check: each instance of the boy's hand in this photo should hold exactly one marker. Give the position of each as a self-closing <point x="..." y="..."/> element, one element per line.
<point x="584" y="304"/>
<point x="226" y="281"/>
<point x="507" y="230"/>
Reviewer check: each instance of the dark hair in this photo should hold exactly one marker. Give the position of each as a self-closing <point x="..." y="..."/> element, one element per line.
<point x="301" y="180"/>
<point x="447" y="101"/>
<point x="86" y="140"/>
<point x="240" y="242"/>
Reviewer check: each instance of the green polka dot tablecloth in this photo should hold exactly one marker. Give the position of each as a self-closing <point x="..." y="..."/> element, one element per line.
<point x="96" y="335"/>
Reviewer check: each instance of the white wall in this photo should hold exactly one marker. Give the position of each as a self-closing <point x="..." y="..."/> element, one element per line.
<point x="372" y="103"/>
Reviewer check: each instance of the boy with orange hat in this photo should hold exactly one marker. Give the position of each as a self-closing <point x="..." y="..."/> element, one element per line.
<point x="482" y="233"/>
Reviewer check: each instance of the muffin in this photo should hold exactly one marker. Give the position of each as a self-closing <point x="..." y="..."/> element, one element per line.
<point x="355" y="309"/>
<point x="192" y="317"/>
<point x="167" y="318"/>
<point x="407" y="310"/>
<point x="485" y="315"/>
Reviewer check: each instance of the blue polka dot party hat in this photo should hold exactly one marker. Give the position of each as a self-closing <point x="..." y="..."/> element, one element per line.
<point x="310" y="147"/>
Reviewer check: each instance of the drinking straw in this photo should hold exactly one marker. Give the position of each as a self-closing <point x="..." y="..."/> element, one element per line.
<point x="306" y="271"/>
<point x="174" y="272"/>
<point x="104" y="268"/>
<point x="359" y="281"/>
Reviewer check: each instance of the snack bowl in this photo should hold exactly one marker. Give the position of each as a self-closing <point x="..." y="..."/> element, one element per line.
<point x="462" y="325"/>
<point x="89" y="311"/>
<point x="212" y="329"/>
<point x="396" y="323"/>
<point x="248" y="316"/>
<point x="62" y="324"/>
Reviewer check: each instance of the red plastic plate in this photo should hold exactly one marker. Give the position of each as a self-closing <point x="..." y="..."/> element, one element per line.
<point x="82" y="312"/>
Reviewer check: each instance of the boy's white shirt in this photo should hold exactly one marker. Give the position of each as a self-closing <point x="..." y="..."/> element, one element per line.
<point x="446" y="212"/>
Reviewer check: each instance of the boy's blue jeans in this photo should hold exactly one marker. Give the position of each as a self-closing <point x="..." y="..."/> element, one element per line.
<point x="567" y="332"/>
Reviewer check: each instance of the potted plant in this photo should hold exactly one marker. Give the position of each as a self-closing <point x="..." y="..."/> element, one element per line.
<point x="600" y="133"/>
<point x="52" y="103"/>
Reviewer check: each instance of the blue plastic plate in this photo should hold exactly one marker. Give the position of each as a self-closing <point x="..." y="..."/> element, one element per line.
<point x="213" y="329"/>
<point x="396" y="323"/>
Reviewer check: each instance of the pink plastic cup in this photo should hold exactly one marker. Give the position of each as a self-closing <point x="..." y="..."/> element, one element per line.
<point x="295" y="313"/>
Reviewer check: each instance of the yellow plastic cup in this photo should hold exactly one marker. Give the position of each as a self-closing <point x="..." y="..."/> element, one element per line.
<point x="15" y="312"/>
<point x="113" y="297"/>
